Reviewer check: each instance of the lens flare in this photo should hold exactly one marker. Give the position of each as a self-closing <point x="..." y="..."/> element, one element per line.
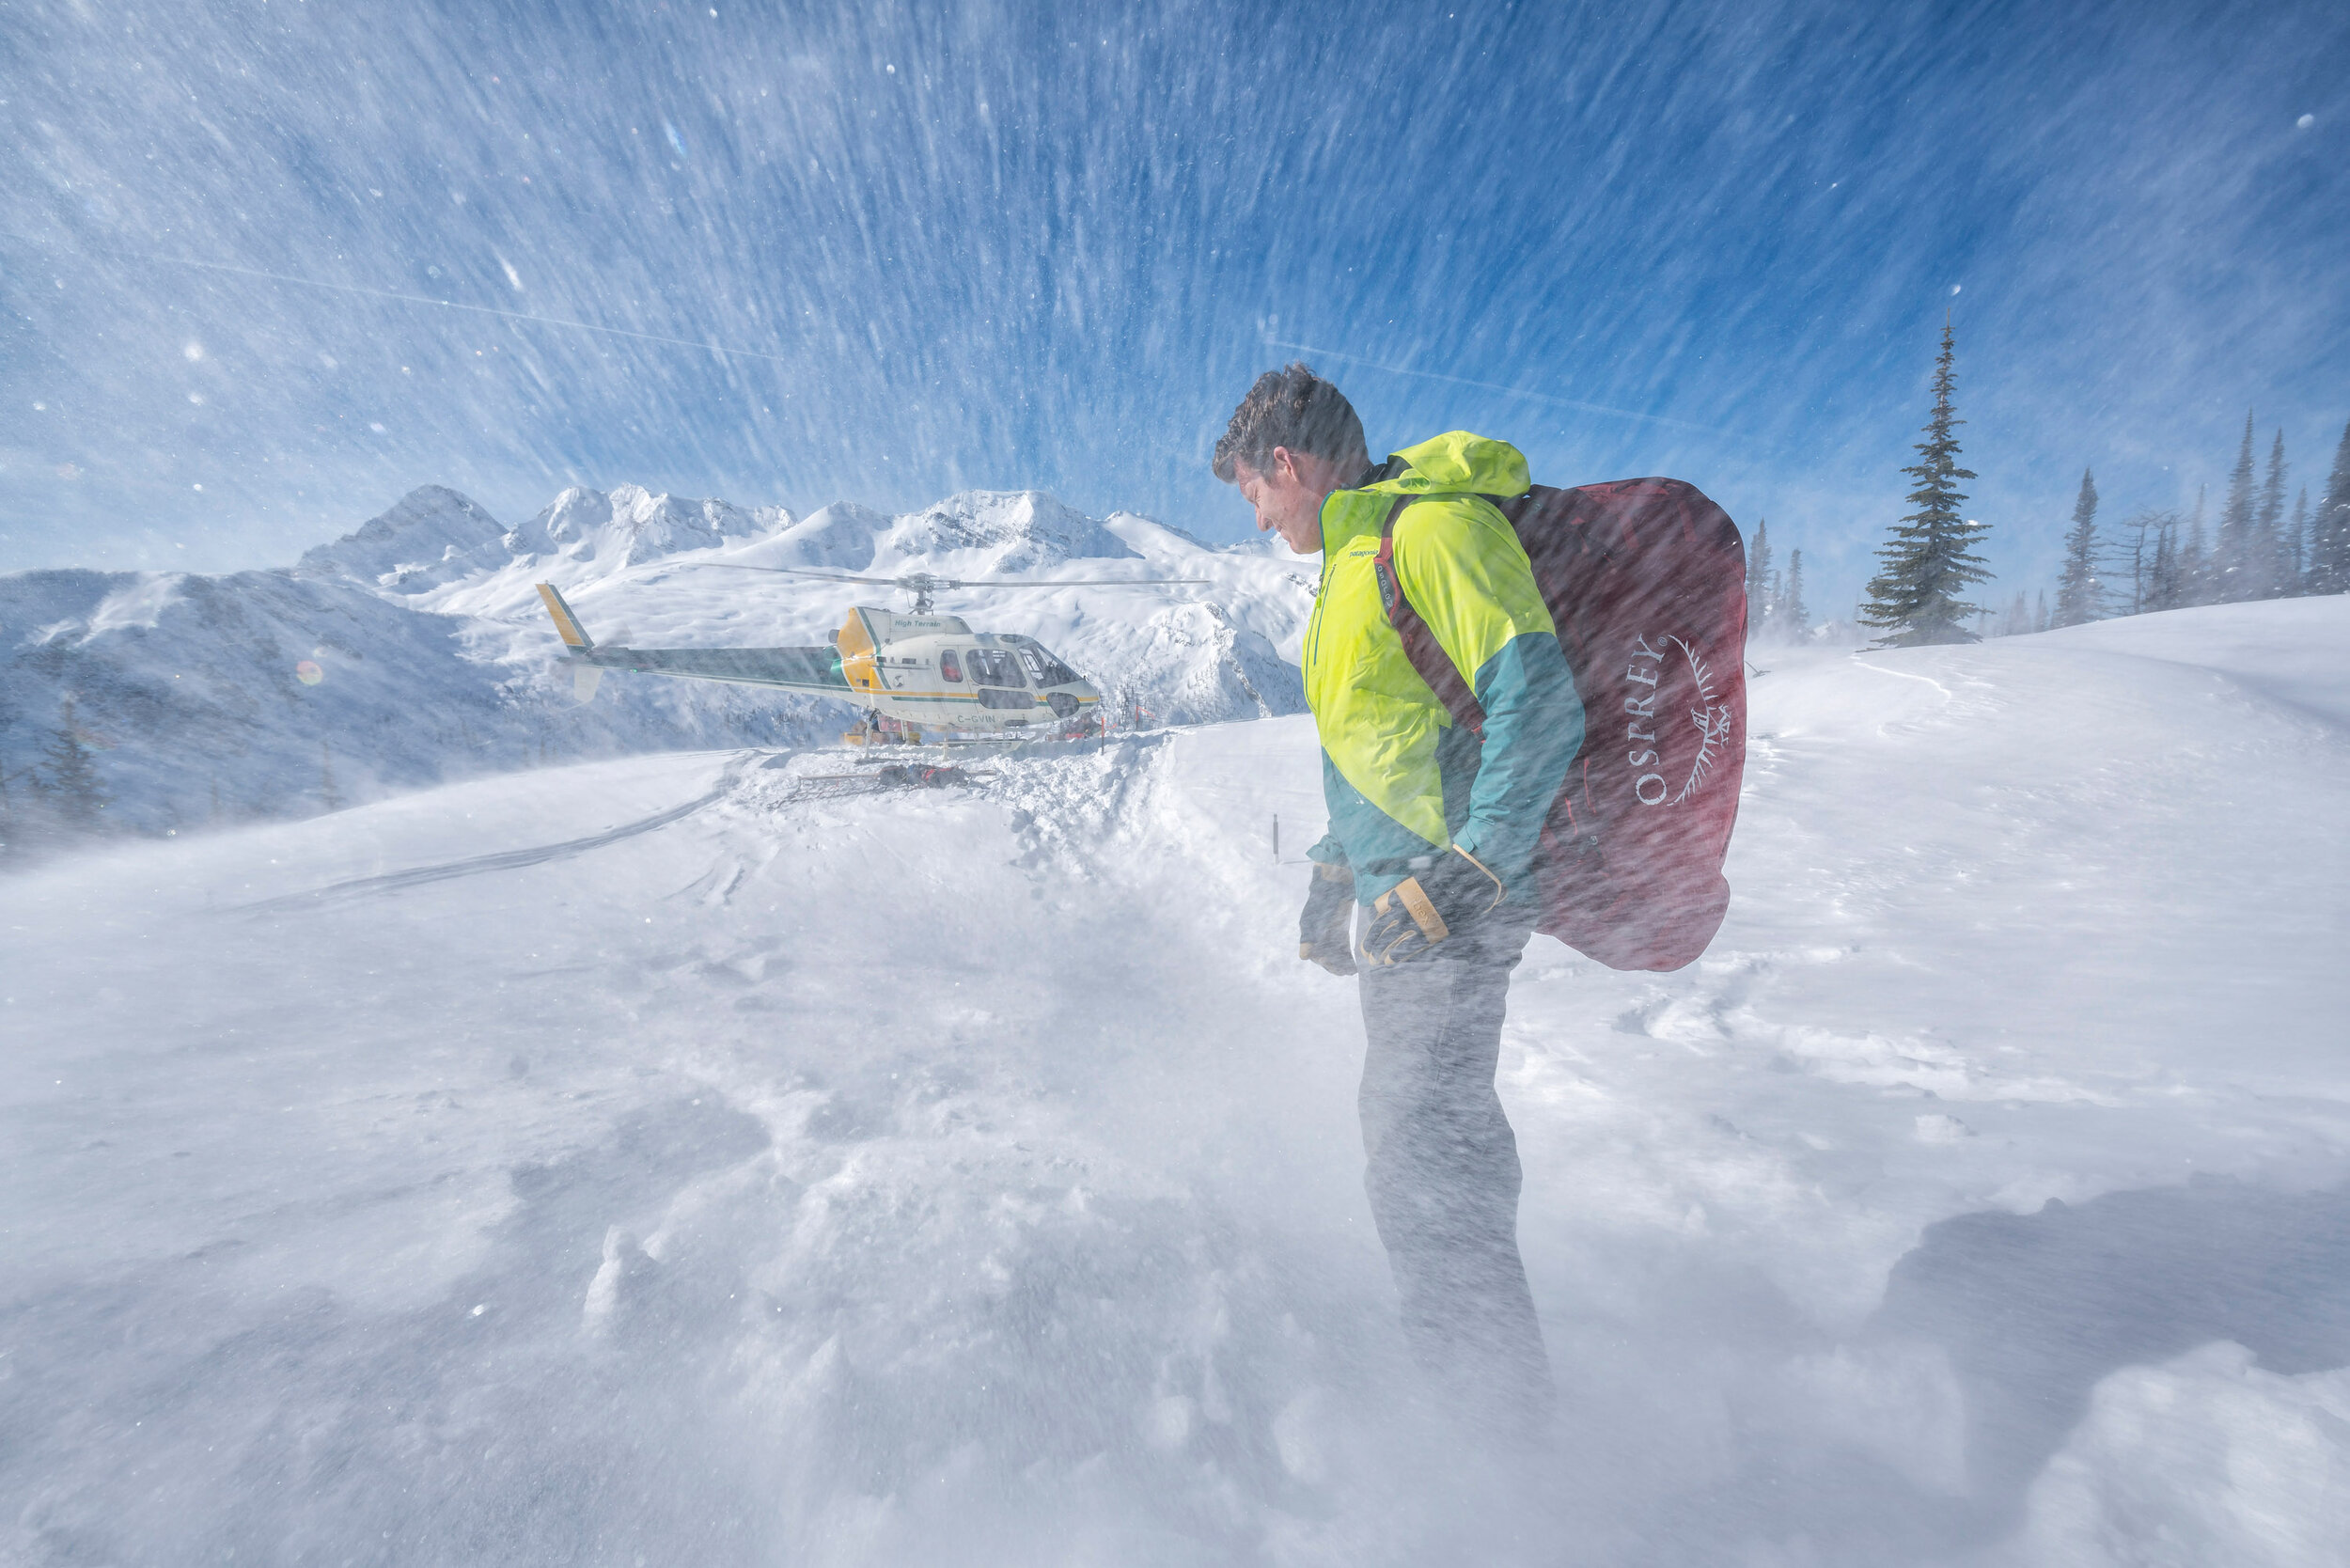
<point x="308" y="673"/>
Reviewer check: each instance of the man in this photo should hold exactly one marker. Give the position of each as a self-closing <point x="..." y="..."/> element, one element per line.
<point x="1432" y="836"/>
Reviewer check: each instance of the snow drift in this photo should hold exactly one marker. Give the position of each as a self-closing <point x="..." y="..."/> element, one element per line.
<point x="658" y="1159"/>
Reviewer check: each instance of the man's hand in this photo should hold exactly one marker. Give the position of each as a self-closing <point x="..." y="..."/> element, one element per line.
<point x="1326" y="931"/>
<point x="1446" y="902"/>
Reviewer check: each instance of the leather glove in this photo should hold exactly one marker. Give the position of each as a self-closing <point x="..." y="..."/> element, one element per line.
<point x="1326" y="931"/>
<point x="1446" y="902"/>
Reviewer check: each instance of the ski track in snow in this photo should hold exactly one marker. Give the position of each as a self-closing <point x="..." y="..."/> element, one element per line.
<point x="739" y="1175"/>
<point x="505" y="860"/>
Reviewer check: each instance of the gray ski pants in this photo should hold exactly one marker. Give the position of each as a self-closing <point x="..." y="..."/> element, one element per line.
<point x="1443" y="1175"/>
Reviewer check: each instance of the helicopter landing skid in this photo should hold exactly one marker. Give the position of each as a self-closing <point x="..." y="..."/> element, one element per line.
<point x="892" y="736"/>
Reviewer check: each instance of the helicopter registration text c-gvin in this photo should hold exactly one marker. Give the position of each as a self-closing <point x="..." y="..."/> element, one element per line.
<point x="923" y="672"/>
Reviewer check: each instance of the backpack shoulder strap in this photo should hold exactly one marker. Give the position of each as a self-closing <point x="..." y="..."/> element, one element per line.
<point x="1419" y="644"/>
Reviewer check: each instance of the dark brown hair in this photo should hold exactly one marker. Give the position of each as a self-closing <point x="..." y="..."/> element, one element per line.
<point x="1292" y="408"/>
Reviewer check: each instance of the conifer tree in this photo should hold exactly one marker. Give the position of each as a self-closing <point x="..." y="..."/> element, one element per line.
<point x="11" y="830"/>
<point x="2234" y="578"/>
<point x="329" y="795"/>
<point x="2165" y="579"/>
<point x="2150" y="533"/>
<point x="15" y="820"/>
<point x="1929" y="563"/>
<point x="12" y="825"/>
<point x="2330" y="533"/>
<point x="1792" y="614"/>
<point x="2039" y="617"/>
<point x="2079" y="590"/>
<point x="75" y="793"/>
<point x="2297" y="545"/>
<point x="2195" y="564"/>
<point x="2268" y="550"/>
<point x="1758" y="580"/>
<point x="2018" y="617"/>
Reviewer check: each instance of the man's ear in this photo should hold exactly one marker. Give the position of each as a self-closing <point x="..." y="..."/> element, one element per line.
<point x="1285" y="464"/>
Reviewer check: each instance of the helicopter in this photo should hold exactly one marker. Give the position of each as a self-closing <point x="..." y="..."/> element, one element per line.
<point x="910" y="672"/>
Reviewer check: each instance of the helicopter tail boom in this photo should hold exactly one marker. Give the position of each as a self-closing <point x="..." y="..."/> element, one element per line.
<point x="574" y="636"/>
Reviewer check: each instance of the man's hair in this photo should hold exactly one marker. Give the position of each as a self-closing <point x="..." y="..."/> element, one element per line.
<point x="1292" y="408"/>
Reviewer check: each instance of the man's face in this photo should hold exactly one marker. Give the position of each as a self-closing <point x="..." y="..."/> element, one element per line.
<point x="1288" y="496"/>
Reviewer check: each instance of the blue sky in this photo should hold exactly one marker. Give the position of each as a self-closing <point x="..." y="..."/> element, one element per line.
<point x="1011" y="245"/>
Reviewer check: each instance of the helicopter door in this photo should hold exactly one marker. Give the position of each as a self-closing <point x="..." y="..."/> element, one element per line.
<point x="998" y="679"/>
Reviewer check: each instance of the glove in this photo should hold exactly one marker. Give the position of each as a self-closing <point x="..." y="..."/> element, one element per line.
<point x="1446" y="902"/>
<point x="1325" y="930"/>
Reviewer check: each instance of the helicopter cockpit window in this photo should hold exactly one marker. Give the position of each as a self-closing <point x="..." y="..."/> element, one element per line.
<point x="948" y="666"/>
<point x="993" y="666"/>
<point x="1045" y="670"/>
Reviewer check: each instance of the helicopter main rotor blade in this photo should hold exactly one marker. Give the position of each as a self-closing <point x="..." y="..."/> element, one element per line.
<point x="790" y="572"/>
<point x="914" y="580"/>
<point x="1061" y="582"/>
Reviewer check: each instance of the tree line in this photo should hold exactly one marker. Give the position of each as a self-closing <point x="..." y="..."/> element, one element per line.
<point x="1776" y="611"/>
<point x="60" y="798"/>
<point x="2155" y="559"/>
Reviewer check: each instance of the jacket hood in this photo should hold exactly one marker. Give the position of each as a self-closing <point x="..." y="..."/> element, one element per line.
<point x="1454" y="462"/>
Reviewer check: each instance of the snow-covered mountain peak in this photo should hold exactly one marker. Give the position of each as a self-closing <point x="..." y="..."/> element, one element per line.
<point x="840" y="537"/>
<point x="998" y="532"/>
<point x="629" y="526"/>
<point x="431" y="536"/>
<point x="1123" y="522"/>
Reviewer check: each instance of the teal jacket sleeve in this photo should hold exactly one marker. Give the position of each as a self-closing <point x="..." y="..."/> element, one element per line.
<point x="1533" y="733"/>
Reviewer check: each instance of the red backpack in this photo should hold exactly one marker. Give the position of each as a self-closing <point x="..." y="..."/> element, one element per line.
<point x="1647" y="582"/>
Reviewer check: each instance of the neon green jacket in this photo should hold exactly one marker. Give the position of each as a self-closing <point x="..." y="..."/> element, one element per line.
<point x="1399" y="779"/>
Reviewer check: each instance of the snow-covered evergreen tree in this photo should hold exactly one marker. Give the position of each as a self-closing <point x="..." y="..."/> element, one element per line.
<point x="69" y="785"/>
<point x="1929" y="563"/>
<point x="2017" y="621"/>
<point x="2080" y="590"/>
<point x="331" y="798"/>
<point x="1792" y="614"/>
<point x="1759" y="580"/>
<point x="2236" y="576"/>
<point x="16" y="828"/>
<point x="2268" y="549"/>
<point x="2297" y="545"/>
<point x="2195" y="574"/>
<point x="2149" y="554"/>
<point x="2039" y="615"/>
<point x="2162" y="571"/>
<point x="2330" y="534"/>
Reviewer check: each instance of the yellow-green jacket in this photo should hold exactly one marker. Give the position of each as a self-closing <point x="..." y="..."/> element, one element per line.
<point x="1399" y="779"/>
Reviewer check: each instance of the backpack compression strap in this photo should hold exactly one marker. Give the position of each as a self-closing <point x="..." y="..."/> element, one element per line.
<point x="1428" y="656"/>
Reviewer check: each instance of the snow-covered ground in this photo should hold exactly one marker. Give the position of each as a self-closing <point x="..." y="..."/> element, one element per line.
<point x="657" y="1161"/>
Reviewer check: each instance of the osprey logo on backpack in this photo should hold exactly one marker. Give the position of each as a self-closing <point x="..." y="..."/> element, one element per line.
<point x="1645" y="582"/>
<point x="1713" y="722"/>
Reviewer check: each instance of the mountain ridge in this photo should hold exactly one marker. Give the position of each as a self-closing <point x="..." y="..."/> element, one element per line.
<point x="412" y="650"/>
